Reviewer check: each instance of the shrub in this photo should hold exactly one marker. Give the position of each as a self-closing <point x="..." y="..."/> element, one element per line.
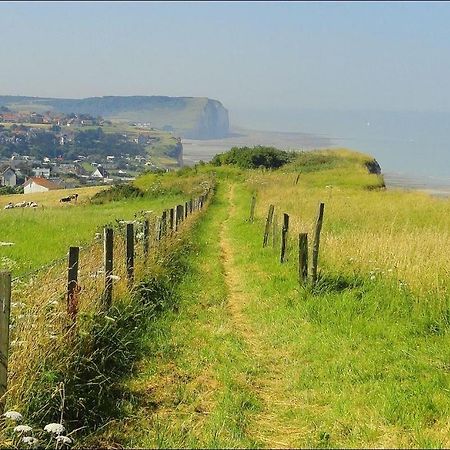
<point x="117" y="192"/>
<point x="253" y="158"/>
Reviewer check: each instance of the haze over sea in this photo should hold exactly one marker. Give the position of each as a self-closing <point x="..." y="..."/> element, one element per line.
<point x="413" y="148"/>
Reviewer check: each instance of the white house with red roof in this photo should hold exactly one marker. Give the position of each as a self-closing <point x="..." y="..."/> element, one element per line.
<point x="38" y="184"/>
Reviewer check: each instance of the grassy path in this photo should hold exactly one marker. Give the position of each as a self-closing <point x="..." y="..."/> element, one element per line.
<point x="266" y="425"/>
<point x="196" y="386"/>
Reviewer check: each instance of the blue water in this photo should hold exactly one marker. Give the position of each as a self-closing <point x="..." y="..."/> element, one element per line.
<point x="414" y="144"/>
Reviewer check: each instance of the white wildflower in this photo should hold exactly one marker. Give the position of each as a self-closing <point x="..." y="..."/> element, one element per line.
<point x="31" y="441"/>
<point x="13" y="415"/>
<point x="114" y="277"/>
<point x="55" y="428"/>
<point x="64" y="439"/>
<point x="23" y="429"/>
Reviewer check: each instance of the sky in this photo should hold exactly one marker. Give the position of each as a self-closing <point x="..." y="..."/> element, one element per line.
<point x="251" y="56"/>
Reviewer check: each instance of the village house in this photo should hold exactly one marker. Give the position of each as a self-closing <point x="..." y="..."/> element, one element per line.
<point x="38" y="184"/>
<point x="42" y="172"/>
<point x="100" y="172"/>
<point x="8" y="177"/>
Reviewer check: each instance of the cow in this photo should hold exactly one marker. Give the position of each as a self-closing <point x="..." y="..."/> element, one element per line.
<point x="69" y="198"/>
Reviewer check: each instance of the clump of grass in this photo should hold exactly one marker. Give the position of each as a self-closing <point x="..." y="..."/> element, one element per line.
<point x="115" y="193"/>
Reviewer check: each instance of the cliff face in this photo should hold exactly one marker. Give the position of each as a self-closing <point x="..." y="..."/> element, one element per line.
<point x="189" y="117"/>
<point x="213" y="122"/>
<point x="373" y="167"/>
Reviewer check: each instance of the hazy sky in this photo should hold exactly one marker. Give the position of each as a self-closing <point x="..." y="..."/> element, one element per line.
<point x="255" y="55"/>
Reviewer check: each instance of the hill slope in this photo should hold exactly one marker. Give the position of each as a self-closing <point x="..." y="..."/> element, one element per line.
<point x="189" y="117"/>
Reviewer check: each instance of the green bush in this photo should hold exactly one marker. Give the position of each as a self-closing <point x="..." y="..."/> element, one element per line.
<point x="117" y="192"/>
<point x="8" y="190"/>
<point x="253" y="158"/>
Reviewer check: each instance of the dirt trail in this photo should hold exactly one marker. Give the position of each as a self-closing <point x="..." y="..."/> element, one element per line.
<point x="237" y="297"/>
<point x="267" y="425"/>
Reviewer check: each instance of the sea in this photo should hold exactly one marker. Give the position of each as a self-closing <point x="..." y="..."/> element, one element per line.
<point x="412" y="148"/>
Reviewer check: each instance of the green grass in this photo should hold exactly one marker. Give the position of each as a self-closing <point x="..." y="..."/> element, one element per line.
<point x="193" y="385"/>
<point x="247" y="357"/>
<point x="366" y="366"/>
<point x="42" y="235"/>
<point x="360" y="361"/>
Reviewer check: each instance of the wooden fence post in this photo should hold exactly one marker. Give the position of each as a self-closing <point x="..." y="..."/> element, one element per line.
<point x="146" y="238"/>
<point x="303" y="258"/>
<point x="108" y="262"/>
<point x="164" y="223"/>
<point x="185" y="209"/>
<point x="274" y="230"/>
<point x="284" y="234"/>
<point x="72" y="283"/>
<point x="296" y="180"/>
<point x="5" y="304"/>
<point x="171" y="218"/>
<point x="179" y="217"/>
<point x="268" y="224"/>
<point x="316" y="242"/>
<point x="130" y="254"/>
<point x="190" y="206"/>
<point x="252" y="209"/>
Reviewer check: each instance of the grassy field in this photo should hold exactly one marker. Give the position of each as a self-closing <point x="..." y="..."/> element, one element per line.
<point x="242" y="355"/>
<point x="43" y="234"/>
<point x="249" y="358"/>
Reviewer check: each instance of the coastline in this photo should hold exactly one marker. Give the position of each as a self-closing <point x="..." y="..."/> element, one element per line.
<point x="437" y="187"/>
<point x="196" y="150"/>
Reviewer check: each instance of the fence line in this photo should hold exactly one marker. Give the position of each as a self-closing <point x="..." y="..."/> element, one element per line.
<point x="303" y="254"/>
<point x="104" y="269"/>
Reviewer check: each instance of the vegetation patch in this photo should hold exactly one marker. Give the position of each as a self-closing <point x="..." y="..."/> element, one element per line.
<point x="253" y="158"/>
<point x="116" y="193"/>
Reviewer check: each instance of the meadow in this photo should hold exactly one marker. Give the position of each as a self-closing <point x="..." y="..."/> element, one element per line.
<point x="241" y="354"/>
<point x="252" y="358"/>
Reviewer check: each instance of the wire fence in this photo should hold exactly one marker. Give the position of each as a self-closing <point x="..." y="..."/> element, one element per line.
<point x="42" y="307"/>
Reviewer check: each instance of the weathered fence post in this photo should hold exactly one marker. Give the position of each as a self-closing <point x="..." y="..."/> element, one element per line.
<point x="171" y="217"/>
<point x="274" y="230"/>
<point x="72" y="283"/>
<point x="296" y="180"/>
<point x="164" y="223"/>
<point x="185" y="209"/>
<point x="146" y="238"/>
<point x="268" y="224"/>
<point x="5" y="303"/>
<point x="179" y="216"/>
<point x="108" y="262"/>
<point x="252" y="209"/>
<point x="284" y="234"/>
<point x="130" y="254"/>
<point x="316" y="242"/>
<point x="303" y="258"/>
<point x="190" y="206"/>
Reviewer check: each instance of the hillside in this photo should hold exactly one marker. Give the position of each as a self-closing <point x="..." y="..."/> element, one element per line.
<point x="219" y="344"/>
<point x="189" y="117"/>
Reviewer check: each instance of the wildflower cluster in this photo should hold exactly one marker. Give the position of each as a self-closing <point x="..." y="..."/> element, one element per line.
<point x="25" y="437"/>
